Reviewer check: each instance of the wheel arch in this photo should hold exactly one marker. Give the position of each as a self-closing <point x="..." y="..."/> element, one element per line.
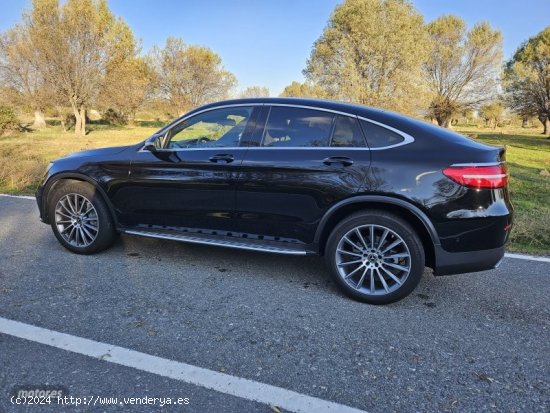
<point x="411" y="213"/>
<point x="74" y="176"/>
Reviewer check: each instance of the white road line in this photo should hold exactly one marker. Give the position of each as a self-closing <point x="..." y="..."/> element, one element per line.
<point x="526" y="257"/>
<point x="18" y="196"/>
<point x="224" y="383"/>
<point x="507" y="255"/>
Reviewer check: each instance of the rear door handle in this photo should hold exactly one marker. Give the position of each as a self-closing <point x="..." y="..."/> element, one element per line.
<point x="226" y="157"/>
<point x="338" y="159"/>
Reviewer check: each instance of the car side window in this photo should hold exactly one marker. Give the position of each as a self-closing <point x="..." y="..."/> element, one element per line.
<point x="212" y="129"/>
<point x="378" y="136"/>
<point x="347" y="133"/>
<point x="297" y="127"/>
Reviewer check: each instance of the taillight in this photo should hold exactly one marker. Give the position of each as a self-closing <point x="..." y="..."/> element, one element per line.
<point x="478" y="176"/>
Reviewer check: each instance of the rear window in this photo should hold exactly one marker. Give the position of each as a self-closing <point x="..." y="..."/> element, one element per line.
<point x="347" y="133"/>
<point x="380" y="137"/>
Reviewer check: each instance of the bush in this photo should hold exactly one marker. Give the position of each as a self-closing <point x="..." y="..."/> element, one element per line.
<point x="8" y="120"/>
<point x="115" y="118"/>
<point x="69" y="121"/>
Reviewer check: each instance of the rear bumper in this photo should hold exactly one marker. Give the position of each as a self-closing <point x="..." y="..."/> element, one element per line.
<point x="448" y="263"/>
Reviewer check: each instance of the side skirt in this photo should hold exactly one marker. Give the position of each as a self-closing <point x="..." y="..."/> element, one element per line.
<point x="227" y="239"/>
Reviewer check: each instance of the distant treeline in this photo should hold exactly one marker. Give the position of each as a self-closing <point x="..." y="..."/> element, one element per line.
<point x="77" y="55"/>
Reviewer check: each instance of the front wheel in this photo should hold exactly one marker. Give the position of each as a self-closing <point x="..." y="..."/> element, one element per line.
<point x="80" y="219"/>
<point x="375" y="257"/>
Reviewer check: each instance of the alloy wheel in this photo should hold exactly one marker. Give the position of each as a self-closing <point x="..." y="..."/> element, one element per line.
<point x="76" y="220"/>
<point x="373" y="259"/>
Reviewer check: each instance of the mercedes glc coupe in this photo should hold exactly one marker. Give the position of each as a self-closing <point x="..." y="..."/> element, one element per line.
<point x="379" y="195"/>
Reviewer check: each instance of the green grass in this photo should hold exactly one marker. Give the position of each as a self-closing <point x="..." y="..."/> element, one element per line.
<point x="24" y="157"/>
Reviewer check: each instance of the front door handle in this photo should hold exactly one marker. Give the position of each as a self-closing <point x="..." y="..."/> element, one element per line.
<point x="338" y="159"/>
<point x="225" y="157"/>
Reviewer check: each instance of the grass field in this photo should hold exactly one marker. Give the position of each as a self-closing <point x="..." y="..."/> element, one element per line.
<point x="24" y="157"/>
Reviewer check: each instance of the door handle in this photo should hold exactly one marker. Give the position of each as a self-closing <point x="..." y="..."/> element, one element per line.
<point x="338" y="159"/>
<point x="226" y="157"/>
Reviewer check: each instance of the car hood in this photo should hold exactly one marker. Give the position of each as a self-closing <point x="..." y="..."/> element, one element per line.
<point x="95" y="152"/>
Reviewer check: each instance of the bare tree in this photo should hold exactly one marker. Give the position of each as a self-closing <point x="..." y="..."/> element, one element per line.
<point x="74" y="45"/>
<point x="462" y="68"/>
<point x="527" y="79"/>
<point x="127" y="86"/>
<point x="190" y="76"/>
<point x="255" y="92"/>
<point x="20" y="76"/>
<point x="306" y="90"/>
<point x="371" y="52"/>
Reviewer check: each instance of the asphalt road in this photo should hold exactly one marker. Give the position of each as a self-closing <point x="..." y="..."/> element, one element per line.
<point x="475" y="342"/>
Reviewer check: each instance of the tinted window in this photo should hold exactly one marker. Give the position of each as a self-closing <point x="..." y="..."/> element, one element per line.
<point x="215" y="128"/>
<point x="295" y="127"/>
<point x="347" y="133"/>
<point x="378" y="136"/>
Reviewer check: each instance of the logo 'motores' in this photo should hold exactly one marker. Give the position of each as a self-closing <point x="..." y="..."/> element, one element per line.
<point x="41" y="391"/>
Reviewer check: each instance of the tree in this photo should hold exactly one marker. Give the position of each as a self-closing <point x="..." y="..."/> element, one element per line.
<point x="371" y="52"/>
<point x="491" y="113"/>
<point x="74" y="45"/>
<point x="19" y="74"/>
<point x="463" y="67"/>
<point x="190" y="76"/>
<point x="127" y="86"/>
<point x="255" y="92"/>
<point x="527" y="79"/>
<point x="304" y="90"/>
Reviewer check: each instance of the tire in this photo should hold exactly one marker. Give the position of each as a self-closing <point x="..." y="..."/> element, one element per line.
<point x="79" y="232"/>
<point x="381" y="274"/>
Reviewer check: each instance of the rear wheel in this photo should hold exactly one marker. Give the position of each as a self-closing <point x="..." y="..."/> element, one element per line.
<point x="80" y="218"/>
<point x="375" y="257"/>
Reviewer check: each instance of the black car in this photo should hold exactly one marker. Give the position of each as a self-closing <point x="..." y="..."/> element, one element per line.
<point x="380" y="195"/>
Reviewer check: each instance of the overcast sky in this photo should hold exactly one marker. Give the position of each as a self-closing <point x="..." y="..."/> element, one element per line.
<point x="267" y="42"/>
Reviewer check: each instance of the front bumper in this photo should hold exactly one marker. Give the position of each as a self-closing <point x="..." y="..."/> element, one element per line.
<point x="39" y="195"/>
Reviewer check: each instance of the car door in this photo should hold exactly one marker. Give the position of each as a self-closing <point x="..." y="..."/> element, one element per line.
<point x="189" y="180"/>
<point x="304" y="160"/>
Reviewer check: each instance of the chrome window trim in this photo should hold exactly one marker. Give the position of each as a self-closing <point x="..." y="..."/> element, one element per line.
<point x="406" y="137"/>
<point x="286" y="148"/>
<point x="221" y="148"/>
<point x="478" y="164"/>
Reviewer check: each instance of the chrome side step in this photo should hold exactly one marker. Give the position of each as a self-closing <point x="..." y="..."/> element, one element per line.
<point x="220" y="242"/>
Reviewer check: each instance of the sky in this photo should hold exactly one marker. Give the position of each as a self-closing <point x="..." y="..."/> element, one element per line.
<point x="267" y="42"/>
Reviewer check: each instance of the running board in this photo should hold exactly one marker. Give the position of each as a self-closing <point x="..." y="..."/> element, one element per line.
<point x="222" y="242"/>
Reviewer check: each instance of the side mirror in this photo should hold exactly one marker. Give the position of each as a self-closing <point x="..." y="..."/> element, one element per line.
<point x="152" y="144"/>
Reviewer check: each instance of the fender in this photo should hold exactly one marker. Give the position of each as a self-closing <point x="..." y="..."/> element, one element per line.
<point x="381" y="199"/>
<point x="80" y="177"/>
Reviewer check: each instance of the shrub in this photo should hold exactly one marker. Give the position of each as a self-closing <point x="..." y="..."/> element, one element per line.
<point x="69" y="121"/>
<point x="8" y="120"/>
<point x="115" y="118"/>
